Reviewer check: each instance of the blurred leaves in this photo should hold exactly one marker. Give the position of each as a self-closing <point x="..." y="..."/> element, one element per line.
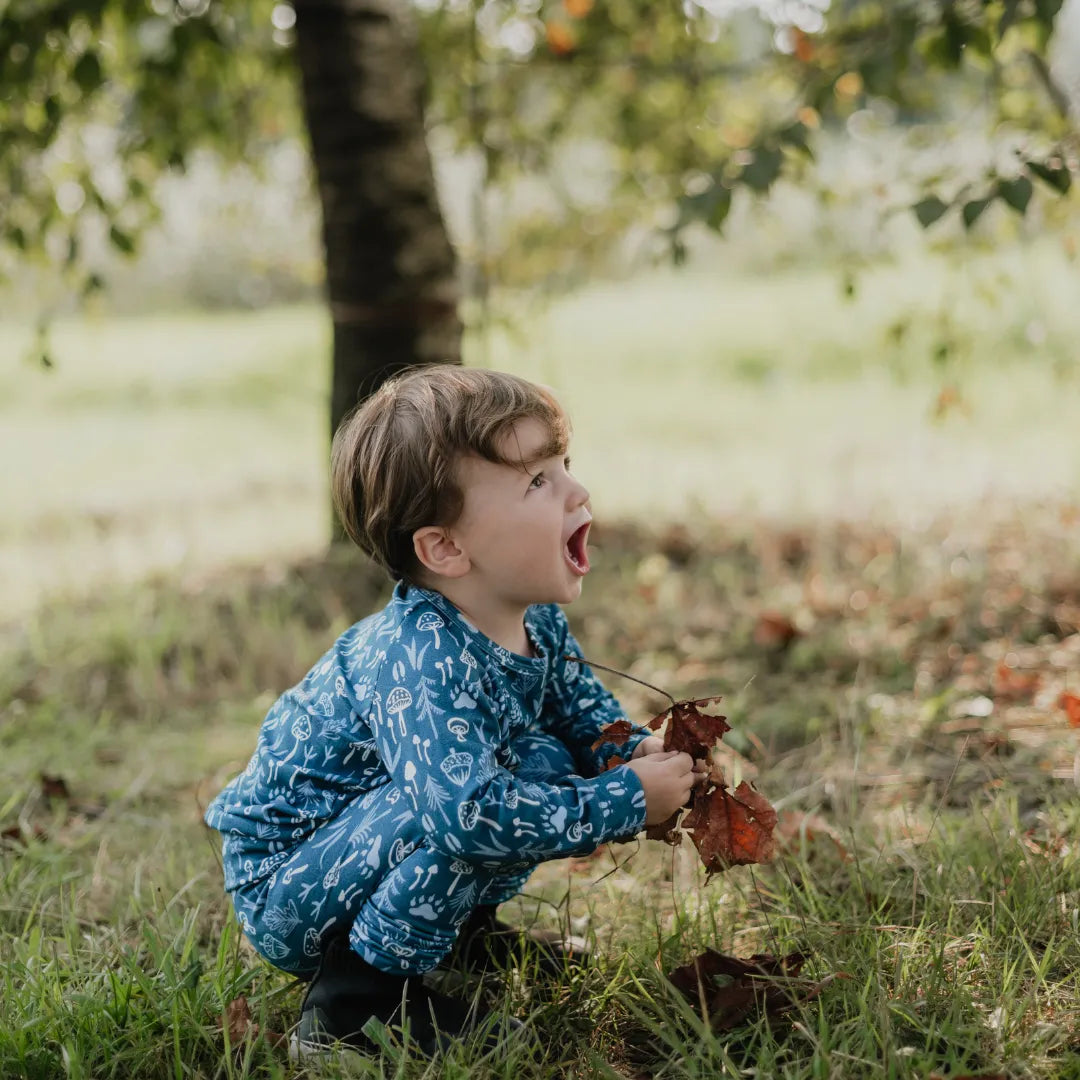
<point x="679" y="107"/>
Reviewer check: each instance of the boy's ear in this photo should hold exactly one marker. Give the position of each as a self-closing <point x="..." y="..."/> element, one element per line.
<point x="438" y="552"/>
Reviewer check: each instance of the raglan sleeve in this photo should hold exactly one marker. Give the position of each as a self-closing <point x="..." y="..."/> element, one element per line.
<point x="443" y="742"/>
<point x="577" y="706"/>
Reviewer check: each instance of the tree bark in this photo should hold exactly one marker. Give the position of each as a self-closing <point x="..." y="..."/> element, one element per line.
<point x="390" y="271"/>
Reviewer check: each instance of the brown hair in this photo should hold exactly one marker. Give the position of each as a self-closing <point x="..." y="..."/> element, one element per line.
<point x="393" y="456"/>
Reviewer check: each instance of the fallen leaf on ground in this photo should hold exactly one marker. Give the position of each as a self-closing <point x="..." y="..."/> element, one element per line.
<point x="1071" y="704"/>
<point x="1013" y="685"/>
<point x="731" y="828"/>
<point x="774" y="631"/>
<point x="761" y="985"/>
<point x="237" y="1022"/>
<point x="54" y="787"/>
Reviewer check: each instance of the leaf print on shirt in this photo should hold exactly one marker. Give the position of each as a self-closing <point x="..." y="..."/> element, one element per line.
<point x="272" y="948"/>
<point x="282" y="920"/>
<point x="416" y="659"/>
<point x="436" y="796"/>
<point x="426" y="709"/>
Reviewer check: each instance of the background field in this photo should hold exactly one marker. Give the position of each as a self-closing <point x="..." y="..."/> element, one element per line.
<point x="184" y="441"/>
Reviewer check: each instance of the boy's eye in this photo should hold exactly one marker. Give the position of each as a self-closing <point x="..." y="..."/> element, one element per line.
<point x="538" y="476"/>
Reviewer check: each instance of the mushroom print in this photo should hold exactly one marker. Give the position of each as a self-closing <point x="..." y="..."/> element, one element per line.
<point x="468" y="814"/>
<point x="458" y="726"/>
<point x="430" y="621"/>
<point x="398" y="700"/>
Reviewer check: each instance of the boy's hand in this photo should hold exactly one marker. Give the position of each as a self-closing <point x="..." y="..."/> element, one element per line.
<point x="667" y="777"/>
<point x="651" y="744"/>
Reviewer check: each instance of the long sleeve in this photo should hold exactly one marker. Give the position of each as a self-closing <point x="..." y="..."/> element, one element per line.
<point x="443" y="742"/>
<point x="577" y="706"/>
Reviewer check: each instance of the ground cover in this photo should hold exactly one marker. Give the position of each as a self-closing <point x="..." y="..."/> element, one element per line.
<point x="896" y="694"/>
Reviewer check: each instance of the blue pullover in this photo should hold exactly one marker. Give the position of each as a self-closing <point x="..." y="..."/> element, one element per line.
<point x="416" y="696"/>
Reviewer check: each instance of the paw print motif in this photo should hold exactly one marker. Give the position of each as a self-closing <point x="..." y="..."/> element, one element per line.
<point x="555" y="820"/>
<point x="427" y="907"/>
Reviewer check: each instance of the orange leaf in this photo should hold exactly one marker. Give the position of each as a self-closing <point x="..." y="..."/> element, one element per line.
<point x="732" y="828"/>
<point x="1013" y="685"/>
<point x="559" y="38"/>
<point x="1071" y="704"/>
<point x="577" y="9"/>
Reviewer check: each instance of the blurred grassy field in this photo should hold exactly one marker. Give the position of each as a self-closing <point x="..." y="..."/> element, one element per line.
<point x="167" y="442"/>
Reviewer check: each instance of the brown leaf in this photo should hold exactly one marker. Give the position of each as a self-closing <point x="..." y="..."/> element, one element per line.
<point x="763" y="984"/>
<point x="54" y="787"/>
<point x="1071" y="704"/>
<point x="16" y="835"/>
<point x="690" y="729"/>
<point x="617" y="733"/>
<point x="666" y="831"/>
<point x="774" y="631"/>
<point x="731" y="828"/>
<point x="237" y="1021"/>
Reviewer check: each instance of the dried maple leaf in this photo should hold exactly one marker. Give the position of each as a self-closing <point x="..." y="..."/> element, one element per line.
<point x="1071" y="704"/>
<point x="731" y="828"/>
<point x="691" y="731"/>
<point x="617" y="733"/>
<point x="762" y="984"/>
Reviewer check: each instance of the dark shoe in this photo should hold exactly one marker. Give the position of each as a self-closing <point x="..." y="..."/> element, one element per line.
<point x="485" y="943"/>
<point x="347" y="992"/>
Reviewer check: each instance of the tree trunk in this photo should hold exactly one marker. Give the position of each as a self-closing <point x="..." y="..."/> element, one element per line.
<point x="389" y="265"/>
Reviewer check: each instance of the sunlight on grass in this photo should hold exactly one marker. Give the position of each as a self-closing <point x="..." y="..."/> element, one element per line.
<point x="185" y="442"/>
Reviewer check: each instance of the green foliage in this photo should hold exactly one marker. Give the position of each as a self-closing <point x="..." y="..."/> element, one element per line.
<point x="98" y="98"/>
<point x="681" y="107"/>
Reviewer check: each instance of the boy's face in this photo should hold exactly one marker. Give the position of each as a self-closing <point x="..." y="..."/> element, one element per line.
<point x="524" y="532"/>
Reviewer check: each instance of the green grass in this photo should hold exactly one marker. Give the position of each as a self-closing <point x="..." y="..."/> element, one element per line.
<point x="187" y="442"/>
<point x="191" y="446"/>
<point x="951" y="906"/>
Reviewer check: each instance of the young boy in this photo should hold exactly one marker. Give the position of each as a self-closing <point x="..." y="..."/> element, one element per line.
<point x="441" y="749"/>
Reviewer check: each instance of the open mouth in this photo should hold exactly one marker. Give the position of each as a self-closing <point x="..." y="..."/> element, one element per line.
<point x="577" y="554"/>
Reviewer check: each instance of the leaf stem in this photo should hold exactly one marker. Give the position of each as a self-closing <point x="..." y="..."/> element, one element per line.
<point x="616" y="671"/>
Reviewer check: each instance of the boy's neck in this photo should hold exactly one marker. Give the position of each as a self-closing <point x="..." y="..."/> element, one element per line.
<point x="504" y="625"/>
